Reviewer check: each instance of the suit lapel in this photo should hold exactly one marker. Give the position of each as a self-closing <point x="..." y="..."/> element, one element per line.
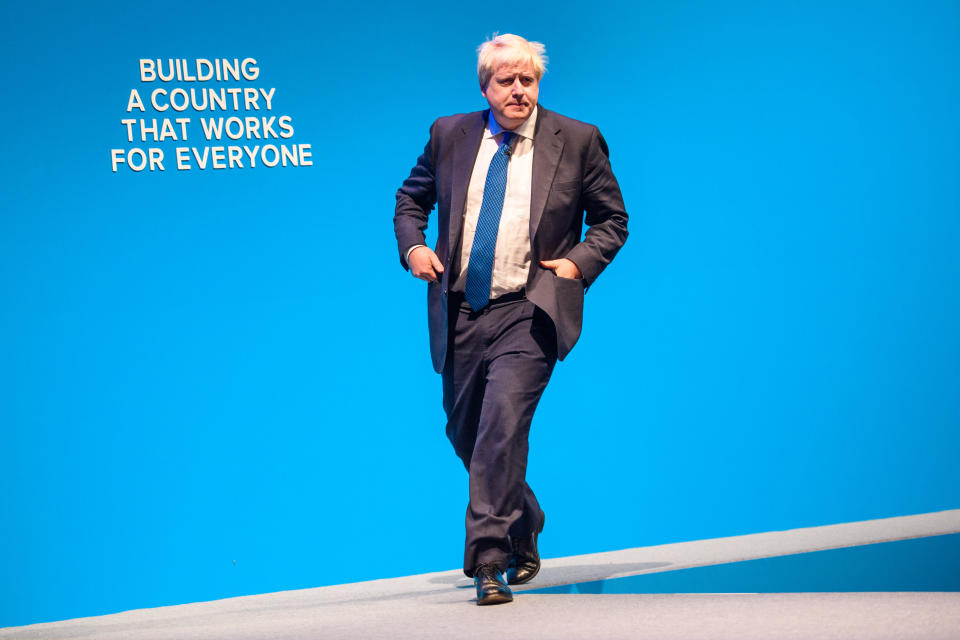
<point x="465" y="151"/>
<point x="547" y="148"/>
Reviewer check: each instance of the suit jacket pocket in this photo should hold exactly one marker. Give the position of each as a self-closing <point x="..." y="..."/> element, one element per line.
<point x="562" y="300"/>
<point x="569" y="320"/>
<point x="565" y="185"/>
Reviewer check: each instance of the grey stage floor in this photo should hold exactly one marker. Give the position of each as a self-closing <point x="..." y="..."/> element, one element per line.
<point x="440" y="605"/>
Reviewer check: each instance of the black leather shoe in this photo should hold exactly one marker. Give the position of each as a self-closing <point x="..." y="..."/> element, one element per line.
<point x="525" y="560"/>
<point x="491" y="587"/>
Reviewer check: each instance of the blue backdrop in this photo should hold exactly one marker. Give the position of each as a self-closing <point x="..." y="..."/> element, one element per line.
<point x="196" y="401"/>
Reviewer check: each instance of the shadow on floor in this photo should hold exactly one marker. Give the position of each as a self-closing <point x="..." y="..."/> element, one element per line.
<point x="585" y="570"/>
<point x="918" y="564"/>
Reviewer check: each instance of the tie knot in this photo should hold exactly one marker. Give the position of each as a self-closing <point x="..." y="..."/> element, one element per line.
<point x="505" y="144"/>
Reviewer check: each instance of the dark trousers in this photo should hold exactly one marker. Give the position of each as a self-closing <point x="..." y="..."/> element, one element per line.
<point x="499" y="361"/>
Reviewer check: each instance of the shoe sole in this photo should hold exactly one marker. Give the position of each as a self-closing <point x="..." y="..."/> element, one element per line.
<point x="525" y="581"/>
<point x="495" y="599"/>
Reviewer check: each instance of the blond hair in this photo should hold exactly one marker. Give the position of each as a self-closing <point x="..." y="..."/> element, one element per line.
<point x="509" y="49"/>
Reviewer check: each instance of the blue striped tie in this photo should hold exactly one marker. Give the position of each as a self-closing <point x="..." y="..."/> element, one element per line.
<point x="480" y="266"/>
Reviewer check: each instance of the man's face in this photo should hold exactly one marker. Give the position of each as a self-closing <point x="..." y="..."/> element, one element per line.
<point x="512" y="93"/>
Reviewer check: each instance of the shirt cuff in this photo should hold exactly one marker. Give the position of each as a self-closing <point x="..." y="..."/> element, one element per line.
<point x="407" y="256"/>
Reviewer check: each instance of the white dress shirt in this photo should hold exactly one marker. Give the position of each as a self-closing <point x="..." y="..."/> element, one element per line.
<point x="511" y="260"/>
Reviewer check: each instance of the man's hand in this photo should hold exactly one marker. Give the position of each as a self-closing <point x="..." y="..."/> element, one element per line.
<point x="563" y="268"/>
<point x="425" y="264"/>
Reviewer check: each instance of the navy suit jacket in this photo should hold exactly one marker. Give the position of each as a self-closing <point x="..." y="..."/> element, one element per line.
<point x="572" y="184"/>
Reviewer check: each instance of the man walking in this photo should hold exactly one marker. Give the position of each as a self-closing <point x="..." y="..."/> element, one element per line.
<point x="506" y="285"/>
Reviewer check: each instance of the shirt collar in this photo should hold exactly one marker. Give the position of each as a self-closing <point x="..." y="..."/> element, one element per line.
<point x="525" y="130"/>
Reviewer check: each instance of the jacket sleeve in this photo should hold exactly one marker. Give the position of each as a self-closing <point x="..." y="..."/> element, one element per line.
<point x="605" y="212"/>
<point x="415" y="199"/>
